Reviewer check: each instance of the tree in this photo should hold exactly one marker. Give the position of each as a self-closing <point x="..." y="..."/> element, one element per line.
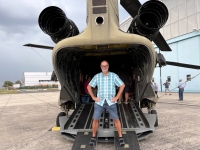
<point x="7" y="84"/>
<point x="18" y="82"/>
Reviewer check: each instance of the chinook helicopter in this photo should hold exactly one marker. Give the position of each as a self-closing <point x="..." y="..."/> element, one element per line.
<point x="77" y="54"/>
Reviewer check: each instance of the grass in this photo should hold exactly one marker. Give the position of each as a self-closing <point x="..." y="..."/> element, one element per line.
<point x="8" y="92"/>
<point x="53" y="89"/>
<point x="15" y="91"/>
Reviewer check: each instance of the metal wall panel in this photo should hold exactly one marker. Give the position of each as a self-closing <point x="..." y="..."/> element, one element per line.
<point x="125" y="25"/>
<point x="167" y="32"/>
<point x="180" y="1"/>
<point x="167" y="3"/>
<point x="169" y="18"/>
<point x="192" y="23"/>
<point x="183" y="26"/>
<point x="171" y="56"/>
<point x="173" y="3"/>
<point x="188" y="52"/>
<point x="191" y="7"/>
<point x="182" y="12"/>
<point x="198" y="5"/>
<point x="184" y="51"/>
<point x="161" y="31"/>
<point x="198" y="20"/>
<point x="174" y="14"/>
<point x="174" y="29"/>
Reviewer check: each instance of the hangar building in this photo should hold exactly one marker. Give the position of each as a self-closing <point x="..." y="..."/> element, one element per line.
<point x="182" y="33"/>
<point x="37" y="79"/>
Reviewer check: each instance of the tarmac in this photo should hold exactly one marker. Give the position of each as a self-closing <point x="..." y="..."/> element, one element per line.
<point x="25" y="120"/>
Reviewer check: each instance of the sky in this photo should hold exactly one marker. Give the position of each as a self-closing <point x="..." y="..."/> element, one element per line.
<point x="19" y="26"/>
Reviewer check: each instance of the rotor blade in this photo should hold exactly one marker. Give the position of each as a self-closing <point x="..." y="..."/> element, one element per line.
<point x="161" y="43"/>
<point x="39" y="46"/>
<point x="131" y="6"/>
<point x="182" y="65"/>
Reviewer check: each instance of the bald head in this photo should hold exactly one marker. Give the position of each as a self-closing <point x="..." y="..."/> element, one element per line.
<point x="104" y="66"/>
<point x="104" y="62"/>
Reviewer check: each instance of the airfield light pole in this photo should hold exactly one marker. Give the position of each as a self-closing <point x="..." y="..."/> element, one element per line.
<point x="160" y="80"/>
<point x="160" y="76"/>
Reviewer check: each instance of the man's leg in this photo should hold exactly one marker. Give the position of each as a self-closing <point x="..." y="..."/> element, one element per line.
<point x="118" y="127"/>
<point x="93" y="139"/>
<point x="179" y="93"/>
<point x="169" y="91"/>
<point x="97" y="114"/>
<point x="95" y="125"/>
<point x="126" y="97"/>
<point x="126" y="90"/>
<point x="114" y="115"/>
<point x="165" y="91"/>
<point x="119" y="130"/>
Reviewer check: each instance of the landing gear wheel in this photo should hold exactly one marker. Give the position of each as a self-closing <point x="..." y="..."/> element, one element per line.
<point x="155" y="112"/>
<point x="57" y="119"/>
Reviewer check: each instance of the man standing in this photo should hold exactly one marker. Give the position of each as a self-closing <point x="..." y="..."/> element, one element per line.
<point x="106" y="99"/>
<point x="166" y="84"/>
<point x="181" y="87"/>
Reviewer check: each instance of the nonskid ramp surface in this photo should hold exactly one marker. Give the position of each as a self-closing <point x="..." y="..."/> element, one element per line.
<point x="82" y="141"/>
<point x="130" y="139"/>
<point x="130" y="116"/>
<point x="81" y="118"/>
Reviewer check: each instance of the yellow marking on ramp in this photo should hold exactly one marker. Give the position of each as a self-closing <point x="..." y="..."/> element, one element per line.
<point x="55" y="129"/>
<point x="126" y="146"/>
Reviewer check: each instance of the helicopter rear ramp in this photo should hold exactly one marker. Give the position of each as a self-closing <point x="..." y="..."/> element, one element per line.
<point x="82" y="141"/>
<point x="130" y="115"/>
<point x="83" y="138"/>
<point x="131" y="141"/>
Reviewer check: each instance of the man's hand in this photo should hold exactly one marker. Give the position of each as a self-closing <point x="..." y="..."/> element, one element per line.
<point x="114" y="99"/>
<point x="96" y="99"/>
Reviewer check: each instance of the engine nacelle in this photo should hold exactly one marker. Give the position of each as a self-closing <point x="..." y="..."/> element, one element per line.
<point x="53" y="21"/>
<point x="152" y="16"/>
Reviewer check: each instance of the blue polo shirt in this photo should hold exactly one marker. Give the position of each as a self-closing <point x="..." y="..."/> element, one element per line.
<point x="106" y="86"/>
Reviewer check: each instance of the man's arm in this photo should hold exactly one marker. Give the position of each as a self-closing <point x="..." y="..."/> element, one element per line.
<point x="121" y="88"/>
<point x="89" y="88"/>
